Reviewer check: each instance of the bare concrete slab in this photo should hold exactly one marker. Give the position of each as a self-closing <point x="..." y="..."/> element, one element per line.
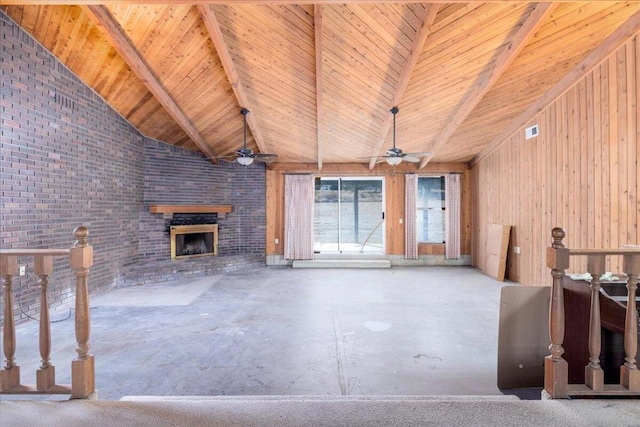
<point x="283" y="331"/>
<point x="342" y="263"/>
<point x="169" y="293"/>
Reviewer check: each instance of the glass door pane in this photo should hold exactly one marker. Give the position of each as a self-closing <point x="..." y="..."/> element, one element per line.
<point x="349" y="216"/>
<point x="326" y="212"/>
<point x="361" y="215"/>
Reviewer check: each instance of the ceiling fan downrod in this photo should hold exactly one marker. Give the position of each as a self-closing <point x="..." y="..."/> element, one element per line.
<point x="244" y="113"/>
<point x="394" y="111"/>
<point x="245" y="155"/>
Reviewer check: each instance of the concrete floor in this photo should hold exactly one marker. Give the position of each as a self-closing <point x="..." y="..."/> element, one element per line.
<point x="282" y="331"/>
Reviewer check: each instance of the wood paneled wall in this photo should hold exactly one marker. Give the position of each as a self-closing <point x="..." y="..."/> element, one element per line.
<point x="394" y="194"/>
<point x="581" y="173"/>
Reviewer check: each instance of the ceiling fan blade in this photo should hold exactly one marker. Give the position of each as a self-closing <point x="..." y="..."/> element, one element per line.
<point x="267" y="160"/>
<point x="265" y="157"/>
<point x="411" y="159"/>
<point x="421" y="154"/>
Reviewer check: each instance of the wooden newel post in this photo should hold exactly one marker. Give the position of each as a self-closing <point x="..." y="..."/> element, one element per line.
<point x="10" y="373"/>
<point x="82" y="367"/>
<point x="629" y="374"/>
<point x="555" y="367"/>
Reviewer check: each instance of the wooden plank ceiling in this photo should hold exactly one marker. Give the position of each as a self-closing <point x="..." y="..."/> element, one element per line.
<point x="319" y="79"/>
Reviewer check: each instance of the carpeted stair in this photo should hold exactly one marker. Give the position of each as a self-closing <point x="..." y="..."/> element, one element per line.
<point x="302" y="411"/>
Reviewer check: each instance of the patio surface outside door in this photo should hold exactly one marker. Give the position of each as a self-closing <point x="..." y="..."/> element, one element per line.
<point x="348" y="215"/>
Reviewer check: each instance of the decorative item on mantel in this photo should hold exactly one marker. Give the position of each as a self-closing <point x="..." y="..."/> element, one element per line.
<point x="169" y="210"/>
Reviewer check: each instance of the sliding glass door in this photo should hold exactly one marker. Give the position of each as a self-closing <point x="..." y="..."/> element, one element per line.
<point x="349" y="215"/>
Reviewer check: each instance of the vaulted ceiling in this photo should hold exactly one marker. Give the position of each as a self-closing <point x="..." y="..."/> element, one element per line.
<point x="320" y="79"/>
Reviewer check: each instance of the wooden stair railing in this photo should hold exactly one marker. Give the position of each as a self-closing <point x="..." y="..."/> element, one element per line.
<point x="82" y="367"/>
<point x="556" y="384"/>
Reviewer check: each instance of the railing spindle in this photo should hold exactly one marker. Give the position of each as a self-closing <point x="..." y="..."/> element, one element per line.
<point x="82" y="367"/>
<point x="10" y="373"/>
<point x="593" y="373"/>
<point x="556" y="368"/>
<point x="629" y="374"/>
<point x="45" y="376"/>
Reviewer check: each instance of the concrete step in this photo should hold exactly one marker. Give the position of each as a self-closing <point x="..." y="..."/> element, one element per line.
<point x="342" y="263"/>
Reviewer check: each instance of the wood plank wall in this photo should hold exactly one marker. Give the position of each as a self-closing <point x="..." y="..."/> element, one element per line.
<point x="394" y="193"/>
<point x="581" y="173"/>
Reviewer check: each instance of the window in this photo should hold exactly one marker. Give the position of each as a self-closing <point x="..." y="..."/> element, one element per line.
<point x="430" y="210"/>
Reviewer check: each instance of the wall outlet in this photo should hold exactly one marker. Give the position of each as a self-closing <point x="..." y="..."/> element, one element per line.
<point x="400" y="220"/>
<point x="276" y="241"/>
<point x="516" y="249"/>
<point x="22" y="270"/>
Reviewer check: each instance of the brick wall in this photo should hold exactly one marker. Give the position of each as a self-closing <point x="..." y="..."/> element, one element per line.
<point x="67" y="159"/>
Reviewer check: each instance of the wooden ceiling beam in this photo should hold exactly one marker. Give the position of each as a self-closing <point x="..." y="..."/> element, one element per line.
<point x="113" y="32"/>
<point x="416" y="49"/>
<point x="533" y="23"/>
<point x="317" y="24"/>
<point x="215" y="33"/>
<point x="620" y="36"/>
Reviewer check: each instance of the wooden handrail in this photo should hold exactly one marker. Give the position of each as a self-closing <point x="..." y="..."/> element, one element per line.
<point x="622" y="251"/>
<point x="35" y="252"/>
<point x="82" y="367"/>
<point x="556" y="368"/>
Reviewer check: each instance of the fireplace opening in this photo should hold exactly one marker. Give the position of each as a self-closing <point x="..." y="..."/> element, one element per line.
<point x="189" y="241"/>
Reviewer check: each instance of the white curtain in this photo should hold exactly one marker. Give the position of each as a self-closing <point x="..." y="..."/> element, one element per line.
<point x="410" y="212"/>
<point x="452" y="215"/>
<point x="298" y="216"/>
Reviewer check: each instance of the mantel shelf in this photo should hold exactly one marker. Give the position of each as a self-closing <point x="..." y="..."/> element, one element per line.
<point x="171" y="209"/>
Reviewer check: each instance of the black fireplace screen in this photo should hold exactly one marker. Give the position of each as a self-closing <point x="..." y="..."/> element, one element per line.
<point x="194" y="241"/>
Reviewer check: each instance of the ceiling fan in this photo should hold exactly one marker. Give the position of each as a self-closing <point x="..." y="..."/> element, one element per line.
<point x="394" y="155"/>
<point x="245" y="156"/>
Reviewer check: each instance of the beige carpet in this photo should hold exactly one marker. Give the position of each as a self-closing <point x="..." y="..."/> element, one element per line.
<point x="322" y="411"/>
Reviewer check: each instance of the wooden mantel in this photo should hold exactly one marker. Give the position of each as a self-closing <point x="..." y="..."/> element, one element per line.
<point x="171" y="209"/>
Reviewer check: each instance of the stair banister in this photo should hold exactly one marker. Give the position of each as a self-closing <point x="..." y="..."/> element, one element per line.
<point x="556" y="384"/>
<point x="82" y="367"/>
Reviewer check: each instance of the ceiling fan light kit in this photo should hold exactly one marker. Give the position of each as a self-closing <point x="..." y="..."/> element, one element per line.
<point x="245" y="161"/>
<point x="394" y="161"/>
